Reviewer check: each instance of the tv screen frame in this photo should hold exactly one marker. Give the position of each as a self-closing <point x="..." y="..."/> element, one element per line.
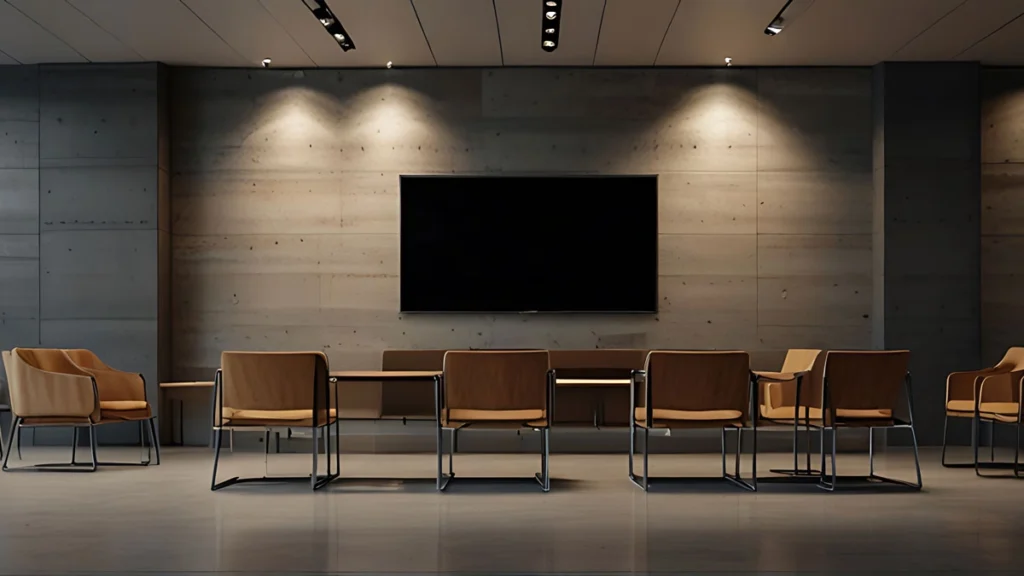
<point x="626" y="274"/>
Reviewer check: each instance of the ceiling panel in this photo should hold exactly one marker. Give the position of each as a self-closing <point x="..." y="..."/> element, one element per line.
<point x="161" y="30"/>
<point x="631" y="32"/>
<point x="1003" y="48"/>
<point x="28" y="43"/>
<point x="310" y="35"/>
<point x="828" y="33"/>
<point x="461" y="32"/>
<point x="960" y="29"/>
<point x="520" y="22"/>
<point x="76" y="30"/>
<point x="704" y="32"/>
<point x="251" y="31"/>
<point x="383" y="31"/>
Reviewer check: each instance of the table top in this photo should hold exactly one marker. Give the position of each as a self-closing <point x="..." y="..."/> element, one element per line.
<point x="375" y="375"/>
<point x="186" y="384"/>
<point x="593" y="382"/>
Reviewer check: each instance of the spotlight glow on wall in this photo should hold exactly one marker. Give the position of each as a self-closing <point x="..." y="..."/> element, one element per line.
<point x="550" y="24"/>
<point x="330" y="22"/>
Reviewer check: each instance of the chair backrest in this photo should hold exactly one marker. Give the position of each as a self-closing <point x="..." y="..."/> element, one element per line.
<point x="111" y="384"/>
<point x="698" y="381"/>
<point x="597" y="362"/>
<point x="1013" y="359"/>
<point x="26" y="364"/>
<point x="496" y="380"/>
<point x="275" y="381"/>
<point x="803" y="360"/>
<point x="865" y="379"/>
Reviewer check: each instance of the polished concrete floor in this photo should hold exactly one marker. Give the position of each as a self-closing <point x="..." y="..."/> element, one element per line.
<point x="166" y="520"/>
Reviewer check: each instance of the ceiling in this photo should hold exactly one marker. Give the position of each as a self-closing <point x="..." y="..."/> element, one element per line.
<point x="241" y="33"/>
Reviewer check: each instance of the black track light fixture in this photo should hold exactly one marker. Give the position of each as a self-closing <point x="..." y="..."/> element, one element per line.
<point x="550" y="24"/>
<point x="330" y="22"/>
<point x="790" y="10"/>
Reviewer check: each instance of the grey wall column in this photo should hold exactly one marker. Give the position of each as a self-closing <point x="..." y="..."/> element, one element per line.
<point x="928" y="196"/>
<point x="103" y="217"/>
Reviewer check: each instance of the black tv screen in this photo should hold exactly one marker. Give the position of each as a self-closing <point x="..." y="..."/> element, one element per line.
<point x="529" y="244"/>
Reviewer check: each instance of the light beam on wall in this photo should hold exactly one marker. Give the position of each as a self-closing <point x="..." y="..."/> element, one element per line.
<point x="550" y="24"/>
<point x="330" y="22"/>
<point x="789" y="12"/>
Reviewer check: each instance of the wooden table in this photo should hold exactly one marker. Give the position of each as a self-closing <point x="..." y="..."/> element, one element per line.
<point x="593" y="383"/>
<point x="407" y="375"/>
<point x="166" y="386"/>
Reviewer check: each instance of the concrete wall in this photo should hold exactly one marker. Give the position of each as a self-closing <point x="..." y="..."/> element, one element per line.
<point x="929" y="167"/>
<point x="1002" y="215"/>
<point x="87" y="213"/>
<point x="285" y="203"/>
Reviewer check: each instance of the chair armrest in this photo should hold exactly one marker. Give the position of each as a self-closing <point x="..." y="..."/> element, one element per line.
<point x="40" y="394"/>
<point x="999" y="387"/>
<point x="965" y="385"/>
<point x="779" y="376"/>
<point x="118" y="385"/>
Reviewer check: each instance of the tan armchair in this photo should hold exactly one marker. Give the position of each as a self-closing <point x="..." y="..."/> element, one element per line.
<point x="862" y="389"/>
<point x="122" y="398"/>
<point x="264" y="390"/>
<point x="988" y="395"/>
<point x="693" y="390"/>
<point x="47" y="389"/>
<point x="497" y="389"/>
<point x="801" y="375"/>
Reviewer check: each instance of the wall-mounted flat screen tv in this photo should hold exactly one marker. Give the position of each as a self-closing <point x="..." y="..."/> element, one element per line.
<point x="529" y="244"/>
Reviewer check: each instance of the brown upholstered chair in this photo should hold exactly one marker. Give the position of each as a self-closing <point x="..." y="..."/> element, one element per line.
<point x="122" y="399"/>
<point x="496" y="389"/>
<point x="693" y="390"/>
<point x="47" y="389"/>
<point x="999" y="404"/>
<point x="801" y="375"/>
<point x="264" y="390"/>
<point x="862" y="389"/>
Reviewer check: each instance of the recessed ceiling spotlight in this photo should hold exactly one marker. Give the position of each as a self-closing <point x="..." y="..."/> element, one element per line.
<point x="266" y="62"/>
<point x="552" y="3"/>
<point x="388" y="64"/>
<point x="728" y="61"/>
<point x="549" y="44"/>
<point x="790" y="10"/>
<point x="551" y="15"/>
<point x="549" y="30"/>
<point x="330" y="22"/>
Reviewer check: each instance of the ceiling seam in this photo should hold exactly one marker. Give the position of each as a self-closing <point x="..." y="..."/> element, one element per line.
<point x="210" y="28"/>
<point x="601" y="27"/>
<point x="287" y="33"/>
<point x="423" y="30"/>
<point x="497" y="26"/>
<point x="2" y="53"/>
<point x="667" y="28"/>
<point x="990" y="34"/>
<point x="47" y="30"/>
<point x="108" y="32"/>
<point x="927" y="28"/>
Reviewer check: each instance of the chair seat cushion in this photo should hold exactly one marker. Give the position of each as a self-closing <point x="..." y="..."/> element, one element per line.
<point x="123" y="405"/>
<point x="462" y="415"/>
<point x="960" y="406"/>
<point x="701" y="416"/>
<point x="297" y="418"/>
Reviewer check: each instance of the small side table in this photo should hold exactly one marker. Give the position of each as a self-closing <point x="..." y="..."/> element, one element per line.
<point x="166" y="388"/>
